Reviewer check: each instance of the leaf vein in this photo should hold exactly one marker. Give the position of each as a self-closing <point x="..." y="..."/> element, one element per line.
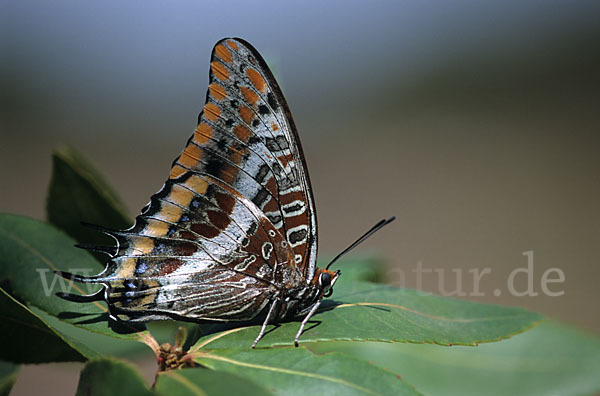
<point x="195" y="389"/>
<point x="288" y="371"/>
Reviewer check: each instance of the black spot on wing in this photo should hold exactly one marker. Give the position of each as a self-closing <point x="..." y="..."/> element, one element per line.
<point x="275" y="218"/>
<point x="262" y="109"/>
<point x="222" y="144"/>
<point x="271" y="101"/>
<point x="278" y="170"/>
<point x="297" y="236"/>
<point x="254" y="139"/>
<point x="263" y="171"/>
<point x="252" y="229"/>
<point x="261" y="197"/>
<point x="213" y="166"/>
<point x="293" y="208"/>
<point x="278" y="143"/>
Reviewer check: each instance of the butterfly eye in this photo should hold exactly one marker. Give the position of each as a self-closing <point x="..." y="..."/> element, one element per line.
<point x="325" y="280"/>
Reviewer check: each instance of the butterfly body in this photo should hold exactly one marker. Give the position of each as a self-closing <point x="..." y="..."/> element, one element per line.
<point x="232" y="234"/>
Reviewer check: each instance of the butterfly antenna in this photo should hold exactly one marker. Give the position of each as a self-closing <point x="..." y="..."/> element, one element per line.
<point x="360" y="240"/>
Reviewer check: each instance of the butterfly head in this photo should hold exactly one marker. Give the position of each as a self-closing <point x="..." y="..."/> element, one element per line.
<point x="324" y="279"/>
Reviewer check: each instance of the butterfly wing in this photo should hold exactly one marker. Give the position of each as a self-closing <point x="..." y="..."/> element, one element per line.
<point x="246" y="121"/>
<point x="235" y="221"/>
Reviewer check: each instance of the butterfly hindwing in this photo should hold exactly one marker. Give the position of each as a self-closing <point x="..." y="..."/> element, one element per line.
<point x="186" y="257"/>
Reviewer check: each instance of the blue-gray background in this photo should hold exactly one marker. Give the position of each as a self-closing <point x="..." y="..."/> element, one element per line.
<point x="475" y="123"/>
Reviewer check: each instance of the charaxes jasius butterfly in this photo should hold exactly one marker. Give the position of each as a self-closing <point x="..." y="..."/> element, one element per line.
<point x="232" y="234"/>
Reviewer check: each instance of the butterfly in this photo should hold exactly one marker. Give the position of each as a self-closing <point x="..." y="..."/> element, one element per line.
<point x="232" y="234"/>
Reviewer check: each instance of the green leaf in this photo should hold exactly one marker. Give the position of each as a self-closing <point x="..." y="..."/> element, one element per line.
<point x="363" y="311"/>
<point x="111" y="377"/>
<point x="77" y="193"/>
<point x="299" y="372"/>
<point x="8" y="376"/>
<point x="101" y="344"/>
<point x="28" y="339"/>
<point x="30" y="251"/>
<point x="552" y="359"/>
<point x="200" y="381"/>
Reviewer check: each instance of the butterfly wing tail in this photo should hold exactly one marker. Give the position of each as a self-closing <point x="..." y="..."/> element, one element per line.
<point x="77" y="278"/>
<point x="97" y="296"/>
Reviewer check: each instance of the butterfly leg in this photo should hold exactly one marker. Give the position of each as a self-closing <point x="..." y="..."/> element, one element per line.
<point x="266" y="322"/>
<point x="305" y="321"/>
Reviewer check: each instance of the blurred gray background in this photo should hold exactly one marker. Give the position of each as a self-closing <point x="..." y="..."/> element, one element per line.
<point x="475" y="123"/>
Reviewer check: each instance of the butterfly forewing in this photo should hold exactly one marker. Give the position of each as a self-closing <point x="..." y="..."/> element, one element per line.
<point x="246" y="137"/>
